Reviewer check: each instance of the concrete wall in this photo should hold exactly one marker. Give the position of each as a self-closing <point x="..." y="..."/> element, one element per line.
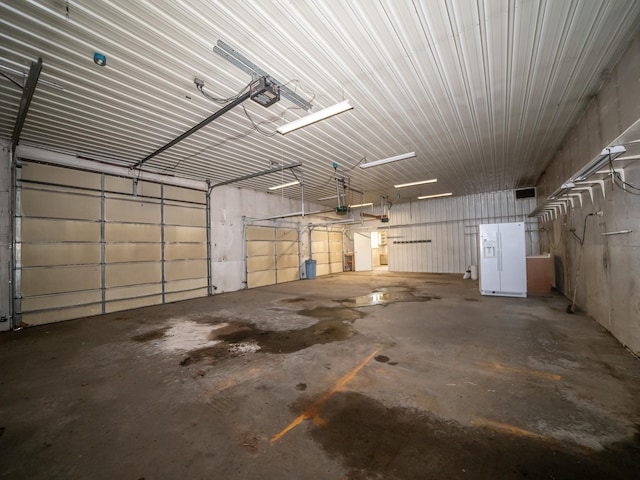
<point x="5" y="235"/>
<point x="608" y="283"/>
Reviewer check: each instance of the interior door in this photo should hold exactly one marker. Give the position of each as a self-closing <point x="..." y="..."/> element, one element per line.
<point x="362" y="251"/>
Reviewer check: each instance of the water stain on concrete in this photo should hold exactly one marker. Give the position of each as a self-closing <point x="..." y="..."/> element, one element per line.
<point x="241" y="338"/>
<point x="471" y="300"/>
<point x="332" y="313"/>
<point x="150" y="335"/>
<point x="288" y="341"/>
<point x="385" y="296"/>
<point x="374" y="441"/>
<point x="293" y="300"/>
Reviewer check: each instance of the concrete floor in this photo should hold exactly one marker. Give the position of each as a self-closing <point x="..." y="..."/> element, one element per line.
<point x="309" y="380"/>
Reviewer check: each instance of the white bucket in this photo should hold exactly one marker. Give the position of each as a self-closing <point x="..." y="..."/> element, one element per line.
<point x="474" y="272"/>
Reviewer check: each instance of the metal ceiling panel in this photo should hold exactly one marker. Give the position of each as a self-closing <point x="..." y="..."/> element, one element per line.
<point x="482" y="91"/>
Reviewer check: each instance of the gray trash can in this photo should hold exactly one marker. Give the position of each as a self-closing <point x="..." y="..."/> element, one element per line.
<point x="310" y="269"/>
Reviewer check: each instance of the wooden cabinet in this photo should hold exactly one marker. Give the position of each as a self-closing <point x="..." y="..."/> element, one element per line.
<point x="349" y="262"/>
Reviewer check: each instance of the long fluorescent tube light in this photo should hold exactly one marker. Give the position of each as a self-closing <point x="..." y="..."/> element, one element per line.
<point x="564" y="188"/>
<point x="327" y="198"/>
<point x="424" y="197"/>
<point x="433" y="180"/>
<point x="361" y="205"/>
<point x="375" y="163"/>
<point x="598" y="162"/>
<point x="314" y="117"/>
<point x="290" y="184"/>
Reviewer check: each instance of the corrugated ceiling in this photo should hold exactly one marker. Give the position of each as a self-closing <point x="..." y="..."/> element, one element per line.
<point x="482" y="91"/>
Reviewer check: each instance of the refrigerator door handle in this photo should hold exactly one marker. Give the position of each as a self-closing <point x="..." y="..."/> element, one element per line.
<point x="499" y="238"/>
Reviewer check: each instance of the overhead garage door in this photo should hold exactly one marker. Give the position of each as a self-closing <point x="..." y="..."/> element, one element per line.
<point x="272" y="255"/>
<point x="326" y="250"/>
<point x="90" y="243"/>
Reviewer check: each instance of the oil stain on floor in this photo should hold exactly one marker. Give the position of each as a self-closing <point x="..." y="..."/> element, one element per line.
<point x="385" y="296"/>
<point x="335" y="324"/>
<point x="374" y="441"/>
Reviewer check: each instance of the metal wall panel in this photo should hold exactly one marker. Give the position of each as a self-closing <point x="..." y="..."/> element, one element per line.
<point x="91" y="243"/>
<point x="440" y="235"/>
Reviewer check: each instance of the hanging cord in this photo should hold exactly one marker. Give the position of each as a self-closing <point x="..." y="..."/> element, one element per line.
<point x="584" y="229"/>
<point x="200" y="87"/>
<point x="621" y="184"/>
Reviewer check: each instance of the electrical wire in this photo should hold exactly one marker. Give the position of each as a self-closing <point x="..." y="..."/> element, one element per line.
<point x="621" y="184"/>
<point x="200" y="87"/>
<point x="584" y="229"/>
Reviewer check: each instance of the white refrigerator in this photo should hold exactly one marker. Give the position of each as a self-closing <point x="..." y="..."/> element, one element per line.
<point x="503" y="259"/>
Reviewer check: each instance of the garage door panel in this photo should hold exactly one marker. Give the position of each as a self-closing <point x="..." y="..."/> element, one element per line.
<point x="132" y="252"/>
<point x="260" y="248"/>
<point x="42" y="281"/>
<point x="64" y="228"/>
<point x="319" y="236"/>
<point x="335" y="256"/>
<point x="185" y="251"/>
<point x="183" y="285"/>
<point x="43" y="230"/>
<point x="183" y="194"/>
<point x="322" y="269"/>
<point x="335" y="246"/>
<point x="51" y="316"/>
<point x="258" y="263"/>
<point x="47" y="302"/>
<point x="335" y="237"/>
<point x="177" y="234"/>
<point x="177" y="296"/>
<point x="259" y="233"/>
<point x="321" y="258"/>
<point x="132" y="232"/>
<point x="288" y="261"/>
<point x="260" y="279"/>
<point x="183" y="269"/>
<point x="272" y="255"/>
<point x="39" y="254"/>
<point x="121" y="274"/>
<point x="120" y="293"/>
<point x="283" y="235"/>
<point x="40" y="203"/>
<point x="336" y="267"/>
<point x="119" y="305"/>
<point x="320" y="247"/>
<point x="141" y="211"/>
<point x="287" y="248"/>
<point x="125" y="186"/>
<point x="177" y="215"/>
<point x="60" y="176"/>
<point x="288" y="274"/>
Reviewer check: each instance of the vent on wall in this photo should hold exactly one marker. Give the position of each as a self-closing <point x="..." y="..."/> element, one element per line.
<point x="525" y="193"/>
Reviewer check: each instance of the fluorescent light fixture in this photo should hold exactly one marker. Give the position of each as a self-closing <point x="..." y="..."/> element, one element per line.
<point x="361" y="205"/>
<point x="422" y="182"/>
<point x="424" y="197"/>
<point x="290" y="184"/>
<point x="315" y="117"/>
<point x="564" y="188"/>
<point x="375" y="163"/>
<point x="599" y="162"/>
<point x="327" y="198"/>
